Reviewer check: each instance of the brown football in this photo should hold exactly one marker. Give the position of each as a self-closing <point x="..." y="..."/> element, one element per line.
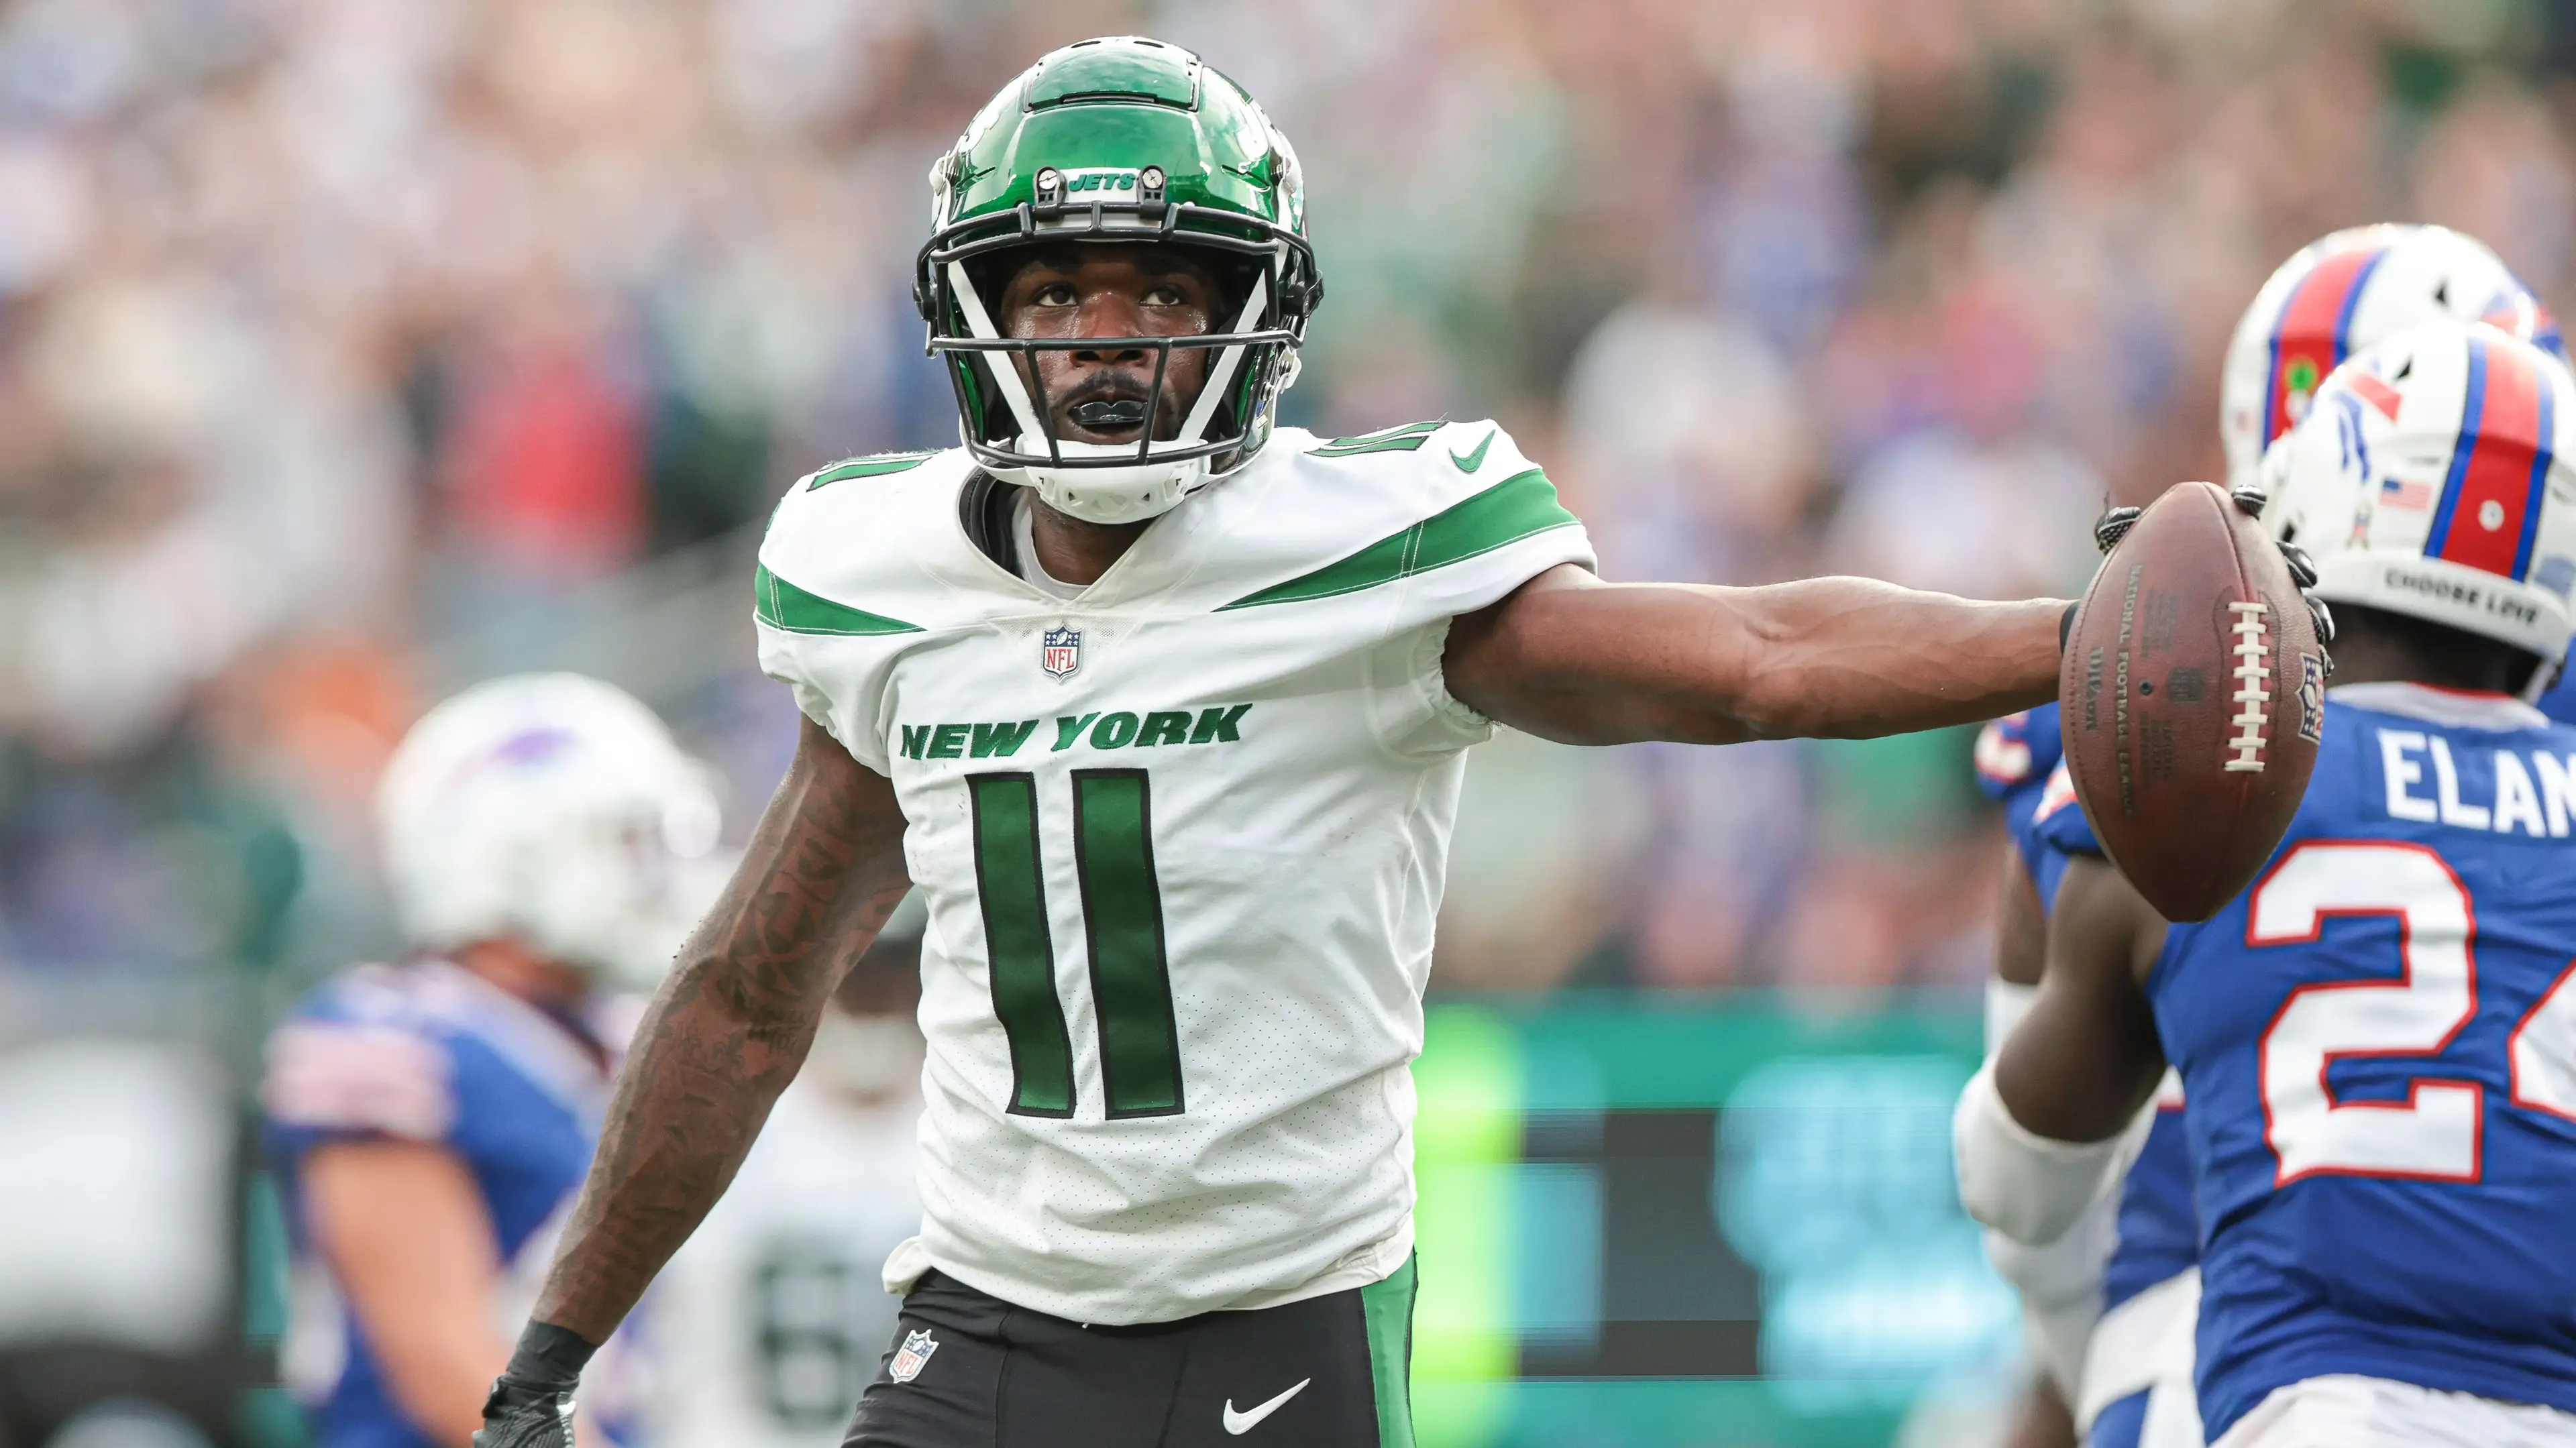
<point x="2193" y="690"/>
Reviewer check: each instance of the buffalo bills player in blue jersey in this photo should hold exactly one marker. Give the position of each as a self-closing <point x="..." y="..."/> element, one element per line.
<point x="2110" y="1302"/>
<point x="2559" y="702"/>
<point x="2130" y="1262"/>
<point x="432" y="1118"/>
<point x="2377" y="1040"/>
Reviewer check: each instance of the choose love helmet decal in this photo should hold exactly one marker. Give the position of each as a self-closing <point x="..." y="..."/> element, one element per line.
<point x="2339" y="295"/>
<point x="1119" y="140"/>
<point x="2436" y="477"/>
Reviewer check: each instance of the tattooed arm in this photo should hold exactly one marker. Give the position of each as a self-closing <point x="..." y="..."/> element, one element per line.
<point x="1570" y="658"/>
<point x="729" y="1028"/>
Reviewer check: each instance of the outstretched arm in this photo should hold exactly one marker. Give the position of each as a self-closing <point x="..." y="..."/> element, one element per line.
<point x="1570" y="658"/>
<point x="729" y="1028"/>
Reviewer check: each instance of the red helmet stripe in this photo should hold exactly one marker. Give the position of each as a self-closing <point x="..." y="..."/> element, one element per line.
<point x="2491" y="496"/>
<point x="2309" y="339"/>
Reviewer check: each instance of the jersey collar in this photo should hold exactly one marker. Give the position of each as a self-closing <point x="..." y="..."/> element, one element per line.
<point x="2450" y="708"/>
<point x="1153" y="571"/>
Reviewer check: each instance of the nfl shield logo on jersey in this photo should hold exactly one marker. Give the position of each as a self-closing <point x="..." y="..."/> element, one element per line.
<point x="913" y="1356"/>
<point x="1060" y="651"/>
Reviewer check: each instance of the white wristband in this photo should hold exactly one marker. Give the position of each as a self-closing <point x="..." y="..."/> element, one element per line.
<point x="2006" y="1003"/>
<point x="2026" y="1186"/>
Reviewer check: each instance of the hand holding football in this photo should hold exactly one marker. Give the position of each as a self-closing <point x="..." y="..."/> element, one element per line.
<point x="2193" y="691"/>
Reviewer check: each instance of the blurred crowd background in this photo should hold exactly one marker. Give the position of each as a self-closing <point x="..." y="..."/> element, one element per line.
<point x="354" y="349"/>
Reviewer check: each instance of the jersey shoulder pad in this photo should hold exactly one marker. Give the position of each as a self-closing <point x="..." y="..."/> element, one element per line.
<point x="1421" y="462"/>
<point x="862" y="559"/>
<point x="2017" y="751"/>
<point x="852" y="546"/>
<point x="363" y="1054"/>
<point x="1349" y="514"/>
<point x="2058" y="822"/>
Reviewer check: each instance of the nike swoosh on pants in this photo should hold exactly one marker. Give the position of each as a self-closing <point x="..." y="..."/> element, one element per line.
<point x="1239" y="1424"/>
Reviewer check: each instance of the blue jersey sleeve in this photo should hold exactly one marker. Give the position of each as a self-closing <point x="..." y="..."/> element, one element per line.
<point x="2016" y="757"/>
<point x="2015" y="753"/>
<point x="2058" y="822"/>
<point x="348" y="1064"/>
<point x="2560" y="702"/>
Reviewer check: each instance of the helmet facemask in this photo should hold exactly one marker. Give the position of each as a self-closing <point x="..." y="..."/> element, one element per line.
<point x="1007" y="419"/>
<point x="1120" y="140"/>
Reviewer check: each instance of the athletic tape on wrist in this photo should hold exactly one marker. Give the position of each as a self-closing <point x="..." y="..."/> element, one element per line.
<point x="2029" y="1187"/>
<point x="550" y="1356"/>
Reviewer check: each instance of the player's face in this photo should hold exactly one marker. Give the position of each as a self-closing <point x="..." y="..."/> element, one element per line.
<point x="1099" y="394"/>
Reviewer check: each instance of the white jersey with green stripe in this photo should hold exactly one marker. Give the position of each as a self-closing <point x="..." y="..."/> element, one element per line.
<point x="1182" y="837"/>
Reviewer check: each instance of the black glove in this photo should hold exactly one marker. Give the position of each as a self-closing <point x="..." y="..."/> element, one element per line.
<point x="2303" y="572"/>
<point x="2114" y="524"/>
<point x="530" y="1405"/>
<point x="526" y="1415"/>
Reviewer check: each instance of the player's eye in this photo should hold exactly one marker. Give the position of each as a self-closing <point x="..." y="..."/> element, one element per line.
<point x="1054" y="294"/>
<point x="1165" y="295"/>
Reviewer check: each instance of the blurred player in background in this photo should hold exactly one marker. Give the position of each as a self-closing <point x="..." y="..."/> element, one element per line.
<point x="430" y="1118"/>
<point x="769" y="1323"/>
<point x="2129" y="1263"/>
<point x="2377" y="1042"/>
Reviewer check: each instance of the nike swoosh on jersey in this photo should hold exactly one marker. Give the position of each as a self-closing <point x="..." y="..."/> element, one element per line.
<point x="1239" y="1424"/>
<point x="1469" y="462"/>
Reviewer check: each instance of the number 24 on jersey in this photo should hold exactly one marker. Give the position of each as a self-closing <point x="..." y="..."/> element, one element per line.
<point x="2435" y="1133"/>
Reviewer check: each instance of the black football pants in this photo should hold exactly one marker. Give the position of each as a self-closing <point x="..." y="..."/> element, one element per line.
<point x="968" y="1370"/>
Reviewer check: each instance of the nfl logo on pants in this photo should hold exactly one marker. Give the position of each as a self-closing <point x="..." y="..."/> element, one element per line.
<point x="913" y="1356"/>
<point x="1060" y="651"/>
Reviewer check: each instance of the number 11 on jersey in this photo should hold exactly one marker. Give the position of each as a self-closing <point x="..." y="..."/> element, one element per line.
<point x="1122" y="913"/>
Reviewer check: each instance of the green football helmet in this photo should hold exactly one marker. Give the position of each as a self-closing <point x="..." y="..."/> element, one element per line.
<point x="1125" y="140"/>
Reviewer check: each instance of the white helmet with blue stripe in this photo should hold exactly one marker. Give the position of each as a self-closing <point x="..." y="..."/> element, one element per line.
<point x="2338" y="296"/>
<point x="2436" y="477"/>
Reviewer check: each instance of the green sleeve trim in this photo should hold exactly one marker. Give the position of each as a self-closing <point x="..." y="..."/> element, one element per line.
<point x="1507" y="512"/>
<point x="1387" y="1309"/>
<point x="782" y="605"/>
<point x="869" y="467"/>
<point x="1408" y="438"/>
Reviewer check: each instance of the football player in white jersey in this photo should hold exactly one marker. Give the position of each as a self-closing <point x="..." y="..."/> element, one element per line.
<point x="1162" y="706"/>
